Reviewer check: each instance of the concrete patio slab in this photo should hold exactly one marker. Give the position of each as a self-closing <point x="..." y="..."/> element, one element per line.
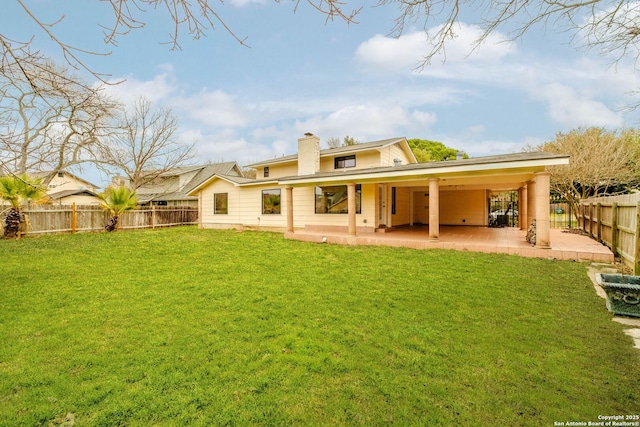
<point x="507" y="240"/>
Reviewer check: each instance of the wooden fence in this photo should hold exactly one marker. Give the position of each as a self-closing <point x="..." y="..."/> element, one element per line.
<point x="615" y="221"/>
<point x="41" y="219"/>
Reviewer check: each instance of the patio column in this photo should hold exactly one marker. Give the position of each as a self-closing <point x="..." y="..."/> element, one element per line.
<point x="289" y="192"/>
<point x="523" y="205"/>
<point x="531" y="203"/>
<point x="351" y="206"/>
<point x="434" y="209"/>
<point x="543" y="189"/>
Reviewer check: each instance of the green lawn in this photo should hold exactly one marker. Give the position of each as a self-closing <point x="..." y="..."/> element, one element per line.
<point x="200" y="327"/>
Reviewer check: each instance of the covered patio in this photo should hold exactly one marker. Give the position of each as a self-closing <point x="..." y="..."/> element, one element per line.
<point x="506" y="240"/>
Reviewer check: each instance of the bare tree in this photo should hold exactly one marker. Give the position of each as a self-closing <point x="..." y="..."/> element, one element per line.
<point x="194" y="17"/>
<point x="59" y="125"/>
<point x="146" y="145"/>
<point x="602" y="162"/>
<point x="611" y="26"/>
<point x="334" y="142"/>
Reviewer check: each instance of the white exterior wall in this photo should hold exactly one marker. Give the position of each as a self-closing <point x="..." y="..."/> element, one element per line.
<point x="244" y="207"/>
<point x="304" y="210"/>
<point x="68" y="182"/>
<point x="78" y="200"/>
<point x="388" y="154"/>
<point x="464" y="207"/>
<point x="403" y="207"/>
<point x="364" y="160"/>
<point x="278" y="171"/>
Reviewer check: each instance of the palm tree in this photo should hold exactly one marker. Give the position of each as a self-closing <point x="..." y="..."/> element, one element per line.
<point x="18" y="190"/>
<point x="117" y="200"/>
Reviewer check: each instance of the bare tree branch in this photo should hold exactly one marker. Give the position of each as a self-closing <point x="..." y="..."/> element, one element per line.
<point x="146" y="144"/>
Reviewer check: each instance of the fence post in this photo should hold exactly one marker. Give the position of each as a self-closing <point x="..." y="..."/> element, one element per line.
<point x="599" y="223"/>
<point x="636" y="255"/>
<point x="153" y="215"/>
<point x="591" y="220"/>
<point x="614" y="228"/>
<point x="74" y="218"/>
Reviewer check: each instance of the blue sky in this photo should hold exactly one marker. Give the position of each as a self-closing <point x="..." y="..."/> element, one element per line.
<point x="301" y="74"/>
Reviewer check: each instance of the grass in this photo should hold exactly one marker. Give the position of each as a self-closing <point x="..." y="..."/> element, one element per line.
<point x="198" y="327"/>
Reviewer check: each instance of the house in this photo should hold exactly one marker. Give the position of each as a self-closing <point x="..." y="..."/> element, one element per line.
<point x="171" y="188"/>
<point x="65" y="188"/>
<point x="375" y="186"/>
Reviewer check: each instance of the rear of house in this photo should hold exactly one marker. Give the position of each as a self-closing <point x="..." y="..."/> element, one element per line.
<point x="374" y="186"/>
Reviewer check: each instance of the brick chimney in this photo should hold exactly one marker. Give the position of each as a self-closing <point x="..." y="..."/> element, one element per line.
<point x="308" y="154"/>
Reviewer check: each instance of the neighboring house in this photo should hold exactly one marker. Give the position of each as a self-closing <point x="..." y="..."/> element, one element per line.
<point x="65" y="188"/>
<point x="172" y="187"/>
<point x="373" y="186"/>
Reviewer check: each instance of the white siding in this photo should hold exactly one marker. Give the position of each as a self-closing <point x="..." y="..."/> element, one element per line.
<point x="403" y="207"/>
<point x="465" y="207"/>
<point x="304" y="210"/>
<point x="389" y="154"/>
<point x="278" y="171"/>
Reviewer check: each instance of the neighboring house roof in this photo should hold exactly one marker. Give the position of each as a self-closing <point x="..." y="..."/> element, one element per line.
<point x="205" y="172"/>
<point x="461" y="167"/>
<point x="348" y="149"/>
<point x="49" y="175"/>
<point x="66" y="193"/>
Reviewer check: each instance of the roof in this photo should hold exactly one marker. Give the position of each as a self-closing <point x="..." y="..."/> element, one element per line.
<point x="49" y="175"/>
<point x="529" y="161"/>
<point x="470" y="165"/>
<point x="347" y="149"/>
<point x="67" y="193"/>
<point x="205" y="172"/>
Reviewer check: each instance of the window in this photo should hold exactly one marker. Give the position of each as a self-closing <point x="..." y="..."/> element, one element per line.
<point x="270" y="202"/>
<point x="345" y="162"/>
<point x="220" y="203"/>
<point x="266" y="172"/>
<point x="333" y="199"/>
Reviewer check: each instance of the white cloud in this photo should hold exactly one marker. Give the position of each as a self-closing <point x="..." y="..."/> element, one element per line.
<point x="405" y="52"/>
<point x="366" y="122"/>
<point x="212" y="109"/>
<point x="570" y="107"/>
<point x="241" y="3"/>
<point x="162" y="86"/>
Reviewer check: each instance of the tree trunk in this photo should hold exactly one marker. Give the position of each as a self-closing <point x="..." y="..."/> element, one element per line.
<point x="12" y="224"/>
<point x="112" y="225"/>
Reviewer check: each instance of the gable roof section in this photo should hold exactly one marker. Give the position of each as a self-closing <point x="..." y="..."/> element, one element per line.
<point x="49" y="175"/>
<point x="205" y="173"/>
<point x="223" y="168"/>
<point x="348" y="149"/>
<point x="67" y="193"/>
<point x="235" y="180"/>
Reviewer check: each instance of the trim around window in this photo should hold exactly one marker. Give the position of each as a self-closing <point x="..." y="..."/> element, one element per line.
<point x="344" y="162"/>
<point x="220" y="203"/>
<point x="271" y="202"/>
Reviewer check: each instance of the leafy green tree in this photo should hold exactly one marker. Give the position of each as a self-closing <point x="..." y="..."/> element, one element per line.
<point x="432" y="151"/>
<point x="18" y="191"/>
<point x="117" y="200"/>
